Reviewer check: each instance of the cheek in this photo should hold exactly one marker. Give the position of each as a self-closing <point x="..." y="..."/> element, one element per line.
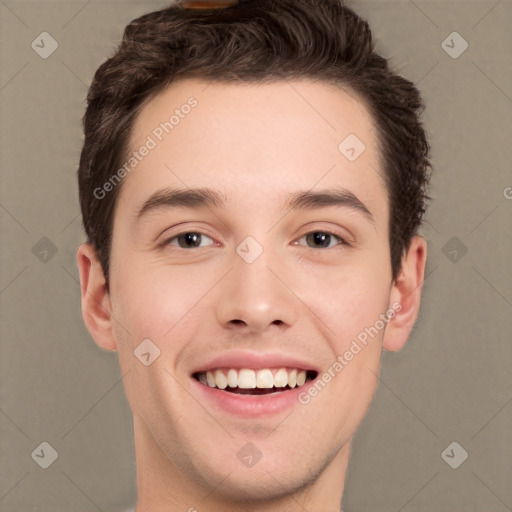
<point x="156" y="301"/>
<point x="348" y="300"/>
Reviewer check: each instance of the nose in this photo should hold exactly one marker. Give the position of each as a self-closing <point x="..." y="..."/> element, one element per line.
<point x="254" y="296"/>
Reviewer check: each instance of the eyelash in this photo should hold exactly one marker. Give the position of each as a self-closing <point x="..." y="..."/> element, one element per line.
<point x="341" y="239"/>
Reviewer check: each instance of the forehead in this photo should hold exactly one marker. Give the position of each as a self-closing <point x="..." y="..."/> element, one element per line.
<point x="255" y="142"/>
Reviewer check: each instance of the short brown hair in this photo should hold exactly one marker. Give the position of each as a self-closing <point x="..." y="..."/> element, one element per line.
<point x="253" y="41"/>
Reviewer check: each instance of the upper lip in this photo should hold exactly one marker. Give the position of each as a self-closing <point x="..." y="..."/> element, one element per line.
<point x="255" y="361"/>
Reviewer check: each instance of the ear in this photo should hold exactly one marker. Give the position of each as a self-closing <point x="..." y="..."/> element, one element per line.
<point x="96" y="307"/>
<point x="405" y="295"/>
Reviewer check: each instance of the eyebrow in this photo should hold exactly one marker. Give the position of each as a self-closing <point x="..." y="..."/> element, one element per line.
<point x="209" y="198"/>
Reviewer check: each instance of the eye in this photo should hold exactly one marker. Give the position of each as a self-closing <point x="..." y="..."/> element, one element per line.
<point x="193" y="239"/>
<point x="323" y="239"/>
<point x="187" y="240"/>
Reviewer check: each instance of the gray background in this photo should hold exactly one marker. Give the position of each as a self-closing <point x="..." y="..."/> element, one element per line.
<point x="452" y="381"/>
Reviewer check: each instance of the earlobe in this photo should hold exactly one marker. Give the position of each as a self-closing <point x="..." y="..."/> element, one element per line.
<point x="96" y="307"/>
<point x="405" y="295"/>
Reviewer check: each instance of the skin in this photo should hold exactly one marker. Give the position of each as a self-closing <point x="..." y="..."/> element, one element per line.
<point x="256" y="144"/>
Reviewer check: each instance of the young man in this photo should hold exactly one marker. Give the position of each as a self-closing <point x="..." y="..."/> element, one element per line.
<point x="251" y="184"/>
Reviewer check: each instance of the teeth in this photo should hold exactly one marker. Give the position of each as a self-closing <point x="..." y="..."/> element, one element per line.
<point x="292" y="378"/>
<point x="246" y="379"/>
<point x="264" y="379"/>
<point x="249" y="379"/>
<point x="232" y="378"/>
<point x="220" y="379"/>
<point x="281" y="378"/>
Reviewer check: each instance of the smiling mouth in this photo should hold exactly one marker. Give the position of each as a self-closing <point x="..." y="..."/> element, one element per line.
<point x="246" y="381"/>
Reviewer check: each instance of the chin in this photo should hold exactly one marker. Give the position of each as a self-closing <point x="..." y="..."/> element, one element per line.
<point x="257" y="486"/>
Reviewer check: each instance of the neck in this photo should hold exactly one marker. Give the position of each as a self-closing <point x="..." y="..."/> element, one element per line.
<point x="162" y="487"/>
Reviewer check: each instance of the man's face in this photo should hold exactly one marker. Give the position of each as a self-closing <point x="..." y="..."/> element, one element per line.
<point x="271" y="285"/>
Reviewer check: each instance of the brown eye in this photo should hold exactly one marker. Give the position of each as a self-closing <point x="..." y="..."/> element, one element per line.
<point x="323" y="240"/>
<point x="188" y="240"/>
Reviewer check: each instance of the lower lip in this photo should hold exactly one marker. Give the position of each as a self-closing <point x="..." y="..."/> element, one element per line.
<point x="252" y="406"/>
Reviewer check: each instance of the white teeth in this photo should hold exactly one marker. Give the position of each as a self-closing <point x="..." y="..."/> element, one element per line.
<point x="232" y="378"/>
<point x="292" y="378"/>
<point x="220" y="379"/>
<point x="281" y="378"/>
<point x="245" y="378"/>
<point x="264" y="379"/>
<point x="210" y="379"/>
<point x="301" y="378"/>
